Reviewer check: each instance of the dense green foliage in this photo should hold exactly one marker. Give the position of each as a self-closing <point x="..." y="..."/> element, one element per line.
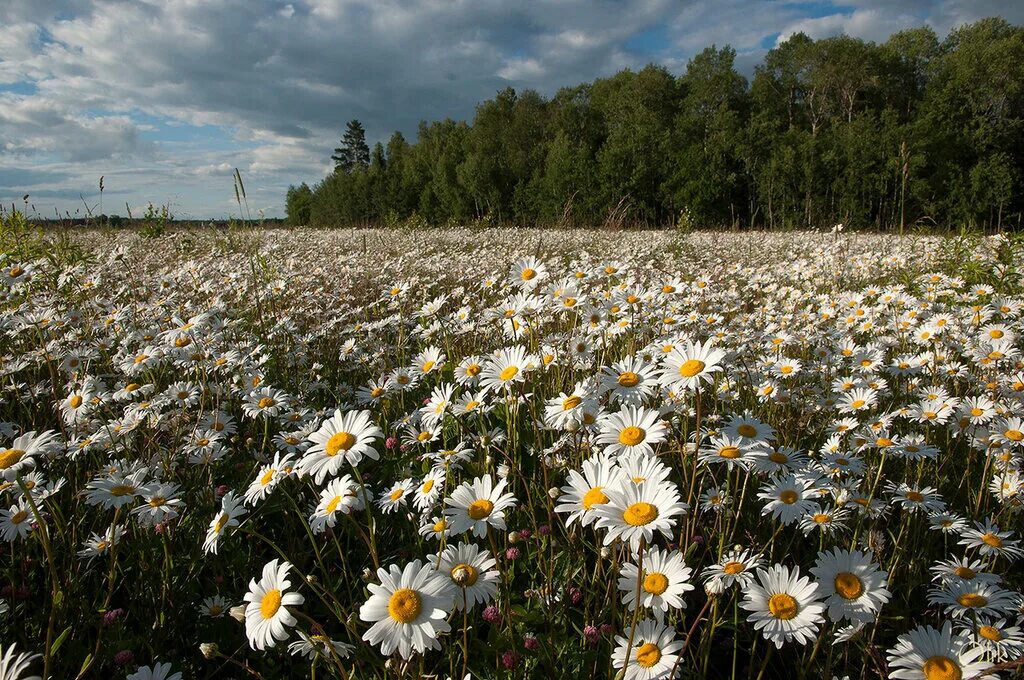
<point x="915" y="130"/>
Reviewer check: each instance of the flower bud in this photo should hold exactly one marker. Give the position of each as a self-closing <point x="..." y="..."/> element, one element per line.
<point x="238" y="613"/>
<point x="209" y="650"/>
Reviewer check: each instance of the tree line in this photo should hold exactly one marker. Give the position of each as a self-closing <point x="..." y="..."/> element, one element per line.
<point x="916" y="130"/>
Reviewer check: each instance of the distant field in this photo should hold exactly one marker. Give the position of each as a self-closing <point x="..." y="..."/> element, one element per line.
<point x="511" y="453"/>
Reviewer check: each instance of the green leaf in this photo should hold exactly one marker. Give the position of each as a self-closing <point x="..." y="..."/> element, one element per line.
<point x="60" y="640"/>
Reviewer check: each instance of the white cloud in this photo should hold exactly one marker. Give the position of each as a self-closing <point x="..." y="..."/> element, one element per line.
<point x="276" y="81"/>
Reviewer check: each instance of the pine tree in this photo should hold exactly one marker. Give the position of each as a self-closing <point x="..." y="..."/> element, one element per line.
<point x="353" y="154"/>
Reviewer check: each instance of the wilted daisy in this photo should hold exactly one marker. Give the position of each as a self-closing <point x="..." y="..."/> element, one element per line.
<point x="653" y="655"/>
<point x="267" y="618"/>
<point x="314" y="646"/>
<point x="408" y="609"/>
<point x="476" y="505"/>
<point x="783" y="605"/>
<point x="342" y="439"/>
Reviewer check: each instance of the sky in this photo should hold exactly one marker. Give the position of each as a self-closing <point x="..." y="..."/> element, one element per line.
<point x="165" y="98"/>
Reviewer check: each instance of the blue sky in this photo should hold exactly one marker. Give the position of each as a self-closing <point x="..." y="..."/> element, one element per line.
<point x="165" y="98"/>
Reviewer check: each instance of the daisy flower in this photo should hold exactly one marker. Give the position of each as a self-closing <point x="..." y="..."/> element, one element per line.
<point x="14" y="663"/>
<point x="160" y="671"/>
<point x="783" y="605"/>
<point x="789" y="497"/>
<point x="854" y="587"/>
<point x="973" y="598"/>
<point x="342" y="438"/>
<point x="21" y="454"/>
<point x="737" y="567"/>
<point x="231" y="509"/>
<point x="653" y="655"/>
<point x="989" y="540"/>
<point x="396" y="497"/>
<point x="314" y="646"/>
<point x="472" y="573"/>
<point x="408" y="609"/>
<point x="630" y="381"/>
<point x="16" y="522"/>
<point x="340" y="495"/>
<point x="506" y="368"/>
<point x="686" y="367"/>
<point x="1001" y="640"/>
<point x="429" y="490"/>
<point x="635" y="511"/>
<point x="584" y="492"/>
<point x="476" y="505"/>
<point x="666" y="579"/>
<point x="266" y="616"/>
<point x="929" y="654"/>
<point x="632" y="430"/>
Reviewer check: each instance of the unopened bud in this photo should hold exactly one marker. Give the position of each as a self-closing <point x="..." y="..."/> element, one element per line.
<point x="554" y="492"/>
<point x="209" y="650"/>
<point x="238" y="613"/>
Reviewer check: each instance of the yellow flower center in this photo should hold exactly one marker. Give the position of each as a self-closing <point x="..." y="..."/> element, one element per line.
<point x="9" y="457"/>
<point x="965" y="573"/>
<point x="15" y="272"/>
<point x="509" y="373"/>
<point x="629" y="379"/>
<point x="733" y="568"/>
<point x="397" y="493"/>
<point x="691" y="367"/>
<point x="848" y="585"/>
<point x="788" y="497"/>
<point x="472" y="405"/>
<point x="1014" y="435"/>
<point x="75" y="401"/>
<point x="631" y="436"/>
<point x="729" y="452"/>
<point x="405" y="605"/>
<point x="439" y="526"/>
<point x="122" y="490"/>
<point x="992" y="540"/>
<point x="915" y="496"/>
<point x="270" y="603"/>
<point x="640" y="514"/>
<point x="528" y="274"/>
<point x="427" y="365"/>
<point x="857" y="403"/>
<point x="571" y="403"/>
<point x="822" y="518"/>
<point x="266" y="402"/>
<point x="473" y="369"/>
<point x="423" y="436"/>
<point x="941" y="668"/>
<point x="427" y="486"/>
<point x="972" y="600"/>
<point x="990" y="633"/>
<point x="777" y="457"/>
<point x="465" y="574"/>
<point x="339" y="441"/>
<point x="746" y="430"/>
<point x="19" y="517"/>
<point x="480" y="508"/>
<point x="648" y="654"/>
<point x="221" y="521"/>
<point x="139" y="358"/>
<point x="655" y="583"/>
<point x="157" y="502"/>
<point x="594" y="497"/>
<point x="783" y="606"/>
<point x="333" y="505"/>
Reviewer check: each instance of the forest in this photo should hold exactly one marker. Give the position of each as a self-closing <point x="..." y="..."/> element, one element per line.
<point x="916" y="132"/>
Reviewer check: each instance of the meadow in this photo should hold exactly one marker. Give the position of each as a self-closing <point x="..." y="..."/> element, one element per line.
<point x="506" y="453"/>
